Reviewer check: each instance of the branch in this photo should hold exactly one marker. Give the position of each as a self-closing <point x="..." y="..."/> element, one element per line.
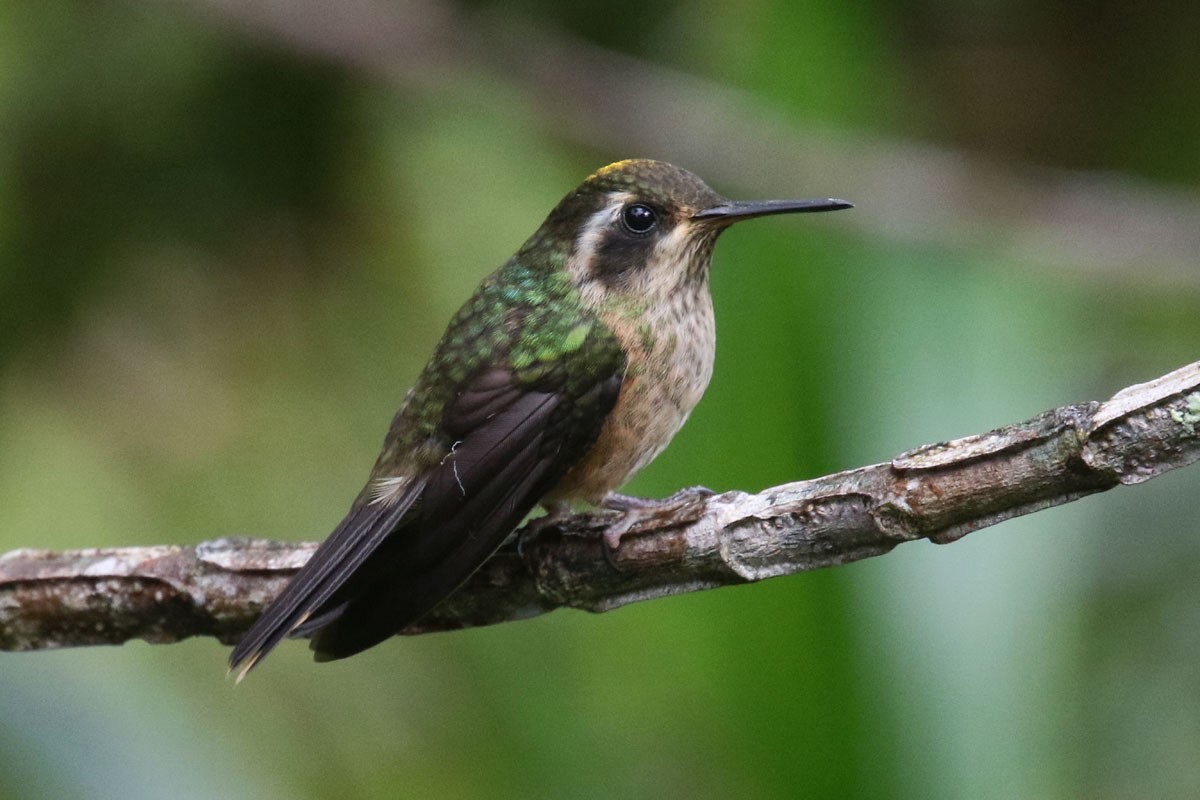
<point x="939" y="492"/>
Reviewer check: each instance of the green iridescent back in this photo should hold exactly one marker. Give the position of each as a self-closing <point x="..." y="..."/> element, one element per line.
<point x="529" y="318"/>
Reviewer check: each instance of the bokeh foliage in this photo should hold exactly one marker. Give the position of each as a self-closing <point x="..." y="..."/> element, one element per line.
<point x="222" y="262"/>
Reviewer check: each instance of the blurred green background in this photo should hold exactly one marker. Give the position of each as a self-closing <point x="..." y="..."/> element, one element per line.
<point x="231" y="233"/>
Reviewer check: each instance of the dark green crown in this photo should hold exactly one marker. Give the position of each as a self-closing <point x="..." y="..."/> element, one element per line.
<point x="653" y="182"/>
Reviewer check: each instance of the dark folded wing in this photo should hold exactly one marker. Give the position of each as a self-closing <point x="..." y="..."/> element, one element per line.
<point x="390" y="561"/>
<point x="512" y="444"/>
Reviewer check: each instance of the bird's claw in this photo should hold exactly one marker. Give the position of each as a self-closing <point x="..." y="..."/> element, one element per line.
<point x="641" y="512"/>
<point x="532" y="529"/>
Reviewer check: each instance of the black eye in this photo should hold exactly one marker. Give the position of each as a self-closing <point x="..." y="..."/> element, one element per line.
<point x="639" y="218"/>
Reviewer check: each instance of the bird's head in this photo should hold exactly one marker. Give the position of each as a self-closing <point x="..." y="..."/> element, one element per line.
<point x="638" y="225"/>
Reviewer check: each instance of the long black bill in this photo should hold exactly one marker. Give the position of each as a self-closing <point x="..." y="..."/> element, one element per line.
<point x="733" y="211"/>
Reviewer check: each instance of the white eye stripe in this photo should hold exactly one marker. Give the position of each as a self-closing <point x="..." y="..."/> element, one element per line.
<point x="591" y="235"/>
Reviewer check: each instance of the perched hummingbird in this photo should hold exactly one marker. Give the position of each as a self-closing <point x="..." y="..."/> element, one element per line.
<point x="570" y="368"/>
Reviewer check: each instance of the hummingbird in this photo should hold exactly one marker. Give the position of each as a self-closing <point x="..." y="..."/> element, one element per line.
<point x="569" y="369"/>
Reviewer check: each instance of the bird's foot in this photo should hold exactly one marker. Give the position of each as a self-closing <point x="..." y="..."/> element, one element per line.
<point x="686" y="505"/>
<point x="555" y="514"/>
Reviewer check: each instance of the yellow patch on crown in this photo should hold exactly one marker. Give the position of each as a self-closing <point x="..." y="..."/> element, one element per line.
<point x="616" y="166"/>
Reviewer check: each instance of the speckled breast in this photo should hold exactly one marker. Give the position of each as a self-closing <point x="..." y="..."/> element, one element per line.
<point x="670" y="351"/>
